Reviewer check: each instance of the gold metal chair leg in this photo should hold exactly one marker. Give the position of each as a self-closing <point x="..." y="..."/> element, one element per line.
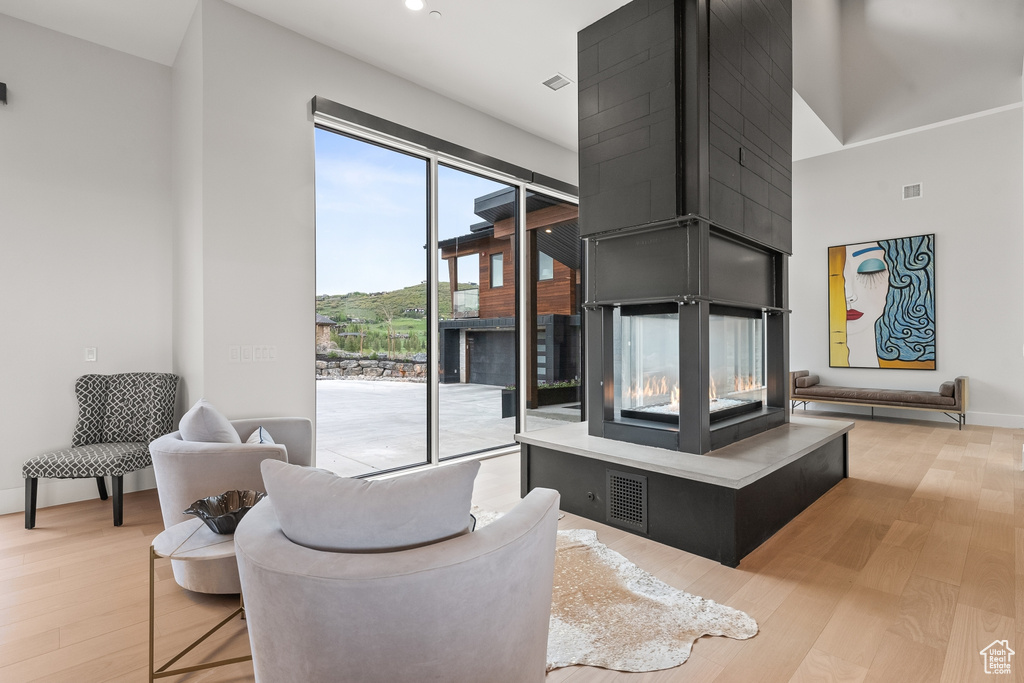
<point x="164" y="671"/>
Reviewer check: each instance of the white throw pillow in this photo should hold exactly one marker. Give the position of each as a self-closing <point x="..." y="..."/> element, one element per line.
<point x="203" y="423"/>
<point x="318" y="509"/>
<point x="261" y="435"/>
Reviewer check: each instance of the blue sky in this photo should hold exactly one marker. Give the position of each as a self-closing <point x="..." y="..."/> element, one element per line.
<point x="371" y="214"/>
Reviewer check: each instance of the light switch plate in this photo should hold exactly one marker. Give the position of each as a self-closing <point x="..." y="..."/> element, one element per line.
<point x="246" y="354"/>
<point x="234" y="354"/>
<point x="90" y="354"/>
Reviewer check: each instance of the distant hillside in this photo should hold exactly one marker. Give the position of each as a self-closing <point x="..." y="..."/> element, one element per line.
<point x="367" y="306"/>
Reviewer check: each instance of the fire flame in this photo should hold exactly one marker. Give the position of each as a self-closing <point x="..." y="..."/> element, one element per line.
<point x="740" y="384"/>
<point x="658" y="386"/>
<point x="655" y="386"/>
<point x="748" y="383"/>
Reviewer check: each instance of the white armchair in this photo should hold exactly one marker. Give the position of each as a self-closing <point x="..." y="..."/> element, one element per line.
<point x="188" y="470"/>
<point x="470" y="608"/>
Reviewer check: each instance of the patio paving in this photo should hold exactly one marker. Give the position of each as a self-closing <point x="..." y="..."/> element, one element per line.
<point x="366" y="426"/>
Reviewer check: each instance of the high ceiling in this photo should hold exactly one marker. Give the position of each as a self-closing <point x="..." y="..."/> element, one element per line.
<point x="864" y="68"/>
<point x="875" y="67"/>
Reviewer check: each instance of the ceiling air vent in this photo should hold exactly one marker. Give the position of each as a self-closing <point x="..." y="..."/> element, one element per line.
<point x="557" y="81"/>
<point x="912" y="191"/>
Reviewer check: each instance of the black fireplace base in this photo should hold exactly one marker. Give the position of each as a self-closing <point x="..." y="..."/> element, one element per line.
<point x="711" y="516"/>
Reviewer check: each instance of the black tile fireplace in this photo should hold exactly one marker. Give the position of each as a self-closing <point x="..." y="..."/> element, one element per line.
<point x="685" y="185"/>
<point x="685" y="182"/>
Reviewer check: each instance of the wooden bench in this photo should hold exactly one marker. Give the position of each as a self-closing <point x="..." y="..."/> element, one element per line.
<point x="950" y="399"/>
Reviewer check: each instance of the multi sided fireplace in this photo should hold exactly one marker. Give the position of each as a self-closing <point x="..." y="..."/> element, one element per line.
<point x="646" y="361"/>
<point x="685" y="167"/>
<point x="686" y="336"/>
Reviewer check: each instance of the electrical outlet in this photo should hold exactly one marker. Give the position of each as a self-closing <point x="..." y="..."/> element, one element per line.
<point x="234" y="354"/>
<point x="90" y="354"/>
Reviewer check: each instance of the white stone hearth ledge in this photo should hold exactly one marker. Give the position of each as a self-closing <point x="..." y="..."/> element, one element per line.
<point x="734" y="466"/>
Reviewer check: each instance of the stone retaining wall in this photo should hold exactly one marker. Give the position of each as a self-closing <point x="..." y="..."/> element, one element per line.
<point x="371" y="369"/>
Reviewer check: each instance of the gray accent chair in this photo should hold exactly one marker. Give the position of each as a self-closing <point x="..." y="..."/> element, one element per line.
<point x="471" y="608"/>
<point x="188" y="470"/>
<point x="118" y="416"/>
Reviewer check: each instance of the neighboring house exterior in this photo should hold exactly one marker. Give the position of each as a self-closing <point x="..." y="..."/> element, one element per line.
<point x="324" y="325"/>
<point x="478" y="343"/>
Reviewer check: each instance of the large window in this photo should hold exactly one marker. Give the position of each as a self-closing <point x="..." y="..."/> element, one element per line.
<point x="553" y="255"/>
<point x="476" y="357"/>
<point x="420" y="354"/>
<point x="371" y="273"/>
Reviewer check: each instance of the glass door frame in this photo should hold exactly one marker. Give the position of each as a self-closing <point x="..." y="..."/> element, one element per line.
<point x="434" y="159"/>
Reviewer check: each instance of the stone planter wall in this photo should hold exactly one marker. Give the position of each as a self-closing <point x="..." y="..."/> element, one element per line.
<point x="371" y="369"/>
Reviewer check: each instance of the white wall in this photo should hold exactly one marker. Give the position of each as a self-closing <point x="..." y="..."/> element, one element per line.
<point x="187" y="178"/>
<point x="817" y="32"/>
<point x="257" y="193"/>
<point x="85" y="238"/>
<point x="973" y="181"/>
<point x="162" y="215"/>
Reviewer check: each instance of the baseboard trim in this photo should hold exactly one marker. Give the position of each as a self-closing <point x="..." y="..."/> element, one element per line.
<point x="62" y="491"/>
<point x="973" y="417"/>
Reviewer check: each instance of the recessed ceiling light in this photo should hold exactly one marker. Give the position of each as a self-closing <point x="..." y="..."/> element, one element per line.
<point x="557" y="81"/>
<point x="435" y="15"/>
<point x="416" y="5"/>
<point x="547" y="230"/>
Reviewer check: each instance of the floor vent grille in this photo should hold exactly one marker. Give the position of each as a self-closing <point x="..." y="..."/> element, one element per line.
<point x="627" y="500"/>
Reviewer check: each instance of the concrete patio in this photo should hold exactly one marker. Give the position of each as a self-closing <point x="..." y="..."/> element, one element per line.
<point x="371" y="426"/>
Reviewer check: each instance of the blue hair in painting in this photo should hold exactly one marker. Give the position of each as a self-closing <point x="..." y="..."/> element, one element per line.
<point x="906" y="329"/>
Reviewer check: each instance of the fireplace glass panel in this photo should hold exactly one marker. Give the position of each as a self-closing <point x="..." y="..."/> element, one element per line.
<point x="736" y="363"/>
<point x="646" y="363"/>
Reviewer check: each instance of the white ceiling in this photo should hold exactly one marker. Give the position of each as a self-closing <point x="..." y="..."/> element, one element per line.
<point x="871" y="68"/>
<point x="864" y="68"/>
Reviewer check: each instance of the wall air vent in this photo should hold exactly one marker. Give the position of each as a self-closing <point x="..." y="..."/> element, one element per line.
<point x="627" y="500"/>
<point x="557" y="81"/>
<point x="912" y="191"/>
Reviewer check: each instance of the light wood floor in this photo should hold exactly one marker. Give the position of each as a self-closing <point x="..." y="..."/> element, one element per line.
<point x="903" y="572"/>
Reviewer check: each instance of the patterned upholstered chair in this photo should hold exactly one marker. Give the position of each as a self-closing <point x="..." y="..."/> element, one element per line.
<point x="118" y="415"/>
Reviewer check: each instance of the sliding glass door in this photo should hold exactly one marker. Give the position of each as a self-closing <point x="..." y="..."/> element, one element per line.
<point x="371" y="324"/>
<point x="476" y="232"/>
<point x="553" y="263"/>
<point x="422" y="261"/>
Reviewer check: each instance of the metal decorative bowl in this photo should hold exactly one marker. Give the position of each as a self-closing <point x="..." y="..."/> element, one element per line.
<point x="222" y="513"/>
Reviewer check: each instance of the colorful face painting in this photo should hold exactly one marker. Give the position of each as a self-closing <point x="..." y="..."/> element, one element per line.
<point x="881" y="303"/>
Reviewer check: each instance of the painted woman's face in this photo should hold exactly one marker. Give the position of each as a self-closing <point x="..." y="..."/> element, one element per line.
<point x="867" y="283"/>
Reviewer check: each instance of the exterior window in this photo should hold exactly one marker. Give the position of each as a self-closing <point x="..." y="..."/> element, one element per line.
<point x="545" y="267"/>
<point x="497" y="273"/>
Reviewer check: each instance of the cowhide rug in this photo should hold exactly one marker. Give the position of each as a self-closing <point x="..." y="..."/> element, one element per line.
<point x="607" y="612"/>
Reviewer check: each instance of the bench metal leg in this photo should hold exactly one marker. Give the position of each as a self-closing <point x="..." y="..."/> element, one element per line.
<point x="117" y="488"/>
<point x="101" y="485"/>
<point x="31" y="487"/>
<point x="959" y="418"/>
